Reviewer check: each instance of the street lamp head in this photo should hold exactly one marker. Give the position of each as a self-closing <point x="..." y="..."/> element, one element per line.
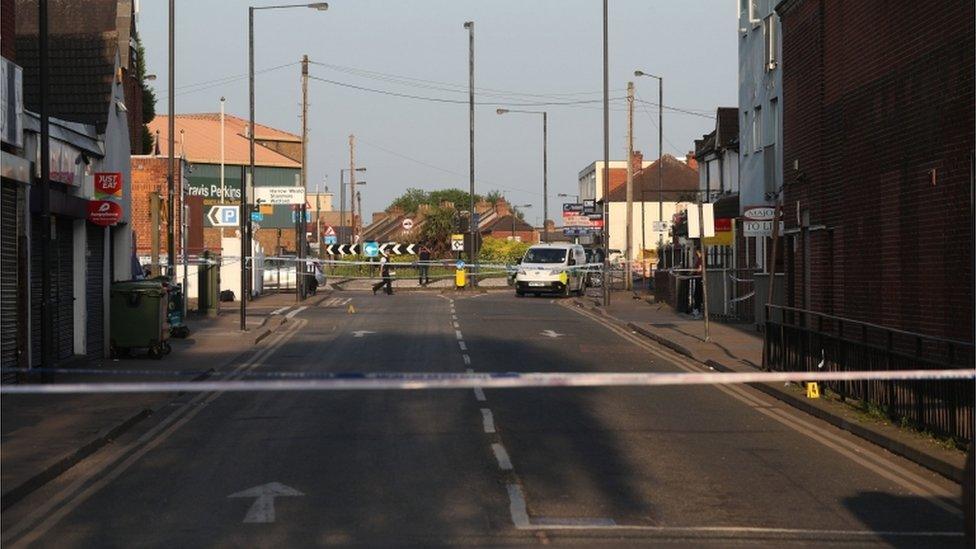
<point x="501" y="111"/>
<point x="468" y="24"/>
<point x="360" y="169"/>
<point x="639" y="73"/>
<point x="149" y="77"/>
<point x="321" y="6"/>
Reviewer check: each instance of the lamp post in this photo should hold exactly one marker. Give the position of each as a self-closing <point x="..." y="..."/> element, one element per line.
<point x="545" y="166"/>
<point x="660" y="151"/>
<point x="472" y="223"/>
<point x="514" y="209"/>
<point x="606" y="156"/>
<point x="245" y="217"/>
<point x="342" y="202"/>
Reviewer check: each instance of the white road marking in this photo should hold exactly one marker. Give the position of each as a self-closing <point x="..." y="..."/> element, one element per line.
<point x="551" y="333"/>
<point x="361" y="333"/>
<point x="462" y="346"/>
<point x="517" y="508"/>
<point x="501" y="455"/>
<point x="74" y="494"/>
<point x="263" y="509"/>
<point x="455" y="324"/>
<point x="454" y="317"/>
<point x="346" y="301"/>
<point x="467" y="359"/>
<point x="458" y="334"/>
<point x="487" y="420"/>
<point x="295" y="312"/>
<point x="280" y="310"/>
<point x="479" y="394"/>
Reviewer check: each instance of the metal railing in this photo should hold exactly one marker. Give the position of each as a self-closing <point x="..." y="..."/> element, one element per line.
<point x="802" y="340"/>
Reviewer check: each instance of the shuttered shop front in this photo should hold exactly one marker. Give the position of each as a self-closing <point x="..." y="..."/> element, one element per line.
<point x="8" y="275"/>
<point x="62" y="292"/>
<point x="94" y="291"/>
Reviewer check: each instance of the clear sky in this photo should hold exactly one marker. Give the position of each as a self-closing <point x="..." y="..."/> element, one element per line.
<point x="526" y="51"/>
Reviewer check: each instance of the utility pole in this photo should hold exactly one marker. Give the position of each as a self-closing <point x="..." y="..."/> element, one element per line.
<point x="223" y="191"/>
<point x="704" y="263"/>
<point x="545" y="176"/>
<point x="473" y="217"/>
<point x="154" y="207"/>
<point x="606" y="160"/>
<point x="171" y="170"/>
<point x="245" y="213"/>
<point x="341" y="238"/>
<point x="628" y="278"/>
<point x="300" y="269"/>
<point x="47" y="316"/>
<point x="352" y="188"/>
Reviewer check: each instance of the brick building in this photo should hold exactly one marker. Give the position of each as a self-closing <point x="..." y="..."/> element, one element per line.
<point x="878" y="161"/>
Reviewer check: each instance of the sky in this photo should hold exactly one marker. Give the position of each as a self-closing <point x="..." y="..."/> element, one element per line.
<point x="526" y="52"/>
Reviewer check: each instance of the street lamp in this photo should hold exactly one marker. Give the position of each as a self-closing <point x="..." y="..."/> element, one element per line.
<point x="660" y="152"/>
<point x="342" y="201"/>
<point x="473" y="222"/>
<point x="545" y="167"/>
<point x="514" y="209"/>
<point x="245" y="218"/>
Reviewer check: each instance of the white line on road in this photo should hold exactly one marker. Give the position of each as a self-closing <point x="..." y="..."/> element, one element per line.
<point x="295" y="312"/>
<point x="516" y="506"/>
<point x="458" y="334"/>
<point x="501" y="455"/>
<point x="280" y="310"/>
<point x="454" y="317"/>
<point x="455" y="324"/>
<point x="487" y="420"/>
<point x="479" y="394"/>
<point x="462" y="346"/>
<point x="467" y="359"/>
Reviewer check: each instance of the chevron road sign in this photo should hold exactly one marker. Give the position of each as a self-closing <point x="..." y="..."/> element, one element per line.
<point x="395" y="248"/>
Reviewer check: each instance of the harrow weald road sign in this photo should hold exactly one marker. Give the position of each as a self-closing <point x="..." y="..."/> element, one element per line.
<point x="224" y="216"/>
<point x="279" y="195"/>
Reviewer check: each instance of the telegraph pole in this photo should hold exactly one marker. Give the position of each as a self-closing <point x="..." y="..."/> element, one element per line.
<point x="352" y="189"/>
<point x="472" y="218"/>
<point x="47" y="313"/>
<point x="300" y="242"/>
<point x="171" y="170"/>
<point x="628" y="282"/>
<point x="606" y="160"/>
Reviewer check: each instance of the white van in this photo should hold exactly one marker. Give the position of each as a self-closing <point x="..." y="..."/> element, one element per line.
<point x="552" y="268"/>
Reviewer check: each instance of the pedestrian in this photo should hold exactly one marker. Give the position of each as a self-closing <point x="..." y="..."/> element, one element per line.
<point x="698" y="293"/>
<point x="424" y="276"/>
<point x="387" y="273"/>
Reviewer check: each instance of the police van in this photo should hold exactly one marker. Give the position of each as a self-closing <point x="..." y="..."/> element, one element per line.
<point x="555" y="268"/>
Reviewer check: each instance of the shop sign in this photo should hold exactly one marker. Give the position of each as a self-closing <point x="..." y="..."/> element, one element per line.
<point x="759" y="213"/>
<point x="108" y="184"/>
<point x="104" y="212"/>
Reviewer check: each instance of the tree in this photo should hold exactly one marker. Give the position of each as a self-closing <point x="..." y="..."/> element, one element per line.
<point x="436" y="230"/>
<point x="148" y="98"/>
<point x="501" y="250"/>
<point x="459" y="198"/>
<point x="494" y="197"/>
<point x="411" y="200"/>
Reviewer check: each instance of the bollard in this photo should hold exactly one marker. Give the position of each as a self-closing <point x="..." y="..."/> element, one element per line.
<point x="460" y="278"/>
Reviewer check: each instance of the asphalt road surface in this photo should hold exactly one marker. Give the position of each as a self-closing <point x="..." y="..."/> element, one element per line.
<point x="596" y="466"/>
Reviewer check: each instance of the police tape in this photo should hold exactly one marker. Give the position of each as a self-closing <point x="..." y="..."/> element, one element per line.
<point x="411" y="381"/>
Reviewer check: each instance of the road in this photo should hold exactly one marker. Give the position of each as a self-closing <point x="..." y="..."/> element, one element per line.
<point x="611" y="466"/>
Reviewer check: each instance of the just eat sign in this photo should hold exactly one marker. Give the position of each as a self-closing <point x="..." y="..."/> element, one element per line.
<point x="108" y="184"/>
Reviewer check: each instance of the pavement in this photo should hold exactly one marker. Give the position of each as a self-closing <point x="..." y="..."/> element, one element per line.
<point x="43" y="437"/>
<point x="688" y="466"/>
<point x="738" y="348"/>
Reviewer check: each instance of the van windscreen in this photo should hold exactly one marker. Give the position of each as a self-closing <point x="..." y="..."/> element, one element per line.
<point x="545" y="255"/>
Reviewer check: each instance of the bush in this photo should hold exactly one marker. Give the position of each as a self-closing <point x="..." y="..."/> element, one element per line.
<point x="500" y="250"/>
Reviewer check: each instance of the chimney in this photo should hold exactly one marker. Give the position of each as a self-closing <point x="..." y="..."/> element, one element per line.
<point x="637" y="161"/>
<point x="691" y="160"/>
<point x="502" y="208"/>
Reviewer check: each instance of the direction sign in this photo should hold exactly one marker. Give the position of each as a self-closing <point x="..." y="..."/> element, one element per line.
<point x="371" y="249"/>
<point x="224" y="216"/>
<point x="457" y="242"/>
<point x="660" y="226"/>
<point x="330" y="239"/>
<point x="279" y="195"/>
<point x="407" y="224"/>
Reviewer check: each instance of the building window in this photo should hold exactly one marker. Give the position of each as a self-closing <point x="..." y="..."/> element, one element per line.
<point x="772" y="127"/>
<point x="757" y="129"/>
<point x="754" y="12"/>
<point x="745" y="134"/>
<point x="769" y="40"/>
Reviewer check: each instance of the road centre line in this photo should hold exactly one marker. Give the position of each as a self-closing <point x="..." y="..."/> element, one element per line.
<point x="462" y="346"/>
<point x="458" y="334"/>
<point x="501" y="455"/>
<point x="455" y="324"/>
<point x="467" y="359"/>
<point x="487" y="420"/>
<point x="864" y="455"/>
<point x="134" y="450"/>
<point x="479" y="394"/>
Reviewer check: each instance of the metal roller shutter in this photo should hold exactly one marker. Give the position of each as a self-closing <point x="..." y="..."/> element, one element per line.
<point x="9" y="223"/>
<point x="64" y="320"/>
<point x="35" y="291"/>
<point x="94" y="291"/>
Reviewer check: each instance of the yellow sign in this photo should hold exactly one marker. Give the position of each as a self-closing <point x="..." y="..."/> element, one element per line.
<point x="457" y="242"/>
<point x="813" y="389"/>
<point x="721" y="238"/>
<point x="266" y="209"/>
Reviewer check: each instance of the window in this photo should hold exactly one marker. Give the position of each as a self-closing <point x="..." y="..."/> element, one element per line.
<point x="769" y="40"/>
<point x="757" y="129"/>
<point x="745" y="134"/>
<point x="772" y="126"/>
<point x="544" y="255"/>
<point x="754" y="12"/>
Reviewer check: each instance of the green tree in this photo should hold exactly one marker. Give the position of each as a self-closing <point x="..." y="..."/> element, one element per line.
<point x="436" y="230"/>
<point x="411" y="200"/>
<point x="459" y="198"/>
<point x="501" y="250"/>
<point x="148" y="98"/>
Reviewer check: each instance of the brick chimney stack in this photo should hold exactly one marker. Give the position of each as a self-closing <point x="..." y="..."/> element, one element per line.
<point x="637" y="161"/>
<point x="691" y="160"/>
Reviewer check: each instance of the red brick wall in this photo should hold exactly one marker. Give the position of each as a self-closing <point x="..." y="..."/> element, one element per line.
<point x="148" y="176"/>
<point x="8" y="34"/>
<point x="873" y="99"/>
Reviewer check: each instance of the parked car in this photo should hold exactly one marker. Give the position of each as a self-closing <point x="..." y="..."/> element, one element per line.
<point x="551" y="268"/>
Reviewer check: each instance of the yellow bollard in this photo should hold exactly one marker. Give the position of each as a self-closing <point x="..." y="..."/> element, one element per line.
<point x="460" y="278"/>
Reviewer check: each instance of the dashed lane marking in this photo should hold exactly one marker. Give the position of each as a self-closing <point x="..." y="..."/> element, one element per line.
<point x="501" y="456"/>
<point x="457" y="333"/>
<point x="462" y="346"/>
<point x="487" y="420"/>
<point x="467" y="359"/>
<point x="479" y="394"/>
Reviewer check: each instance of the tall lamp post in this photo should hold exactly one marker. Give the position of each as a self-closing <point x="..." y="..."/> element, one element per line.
<point x="514" y="210"/>
<point x="545" y="167"/>
<point x="660" y="152"/>
<point x="473" y="220"/>
<point x="245" y="218"/>
<point x="342" y="202"/>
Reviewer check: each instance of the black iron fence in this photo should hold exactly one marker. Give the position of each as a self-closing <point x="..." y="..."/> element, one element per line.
<point x="801" y="340"/>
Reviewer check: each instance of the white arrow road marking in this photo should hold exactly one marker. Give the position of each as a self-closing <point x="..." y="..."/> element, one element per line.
<point x="551" y="333"/>
<point x="263" y="510"/>
<point x="361" y="333"/>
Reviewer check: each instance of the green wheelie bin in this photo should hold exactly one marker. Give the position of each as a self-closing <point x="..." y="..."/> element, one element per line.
<point x="139" y="310"/>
